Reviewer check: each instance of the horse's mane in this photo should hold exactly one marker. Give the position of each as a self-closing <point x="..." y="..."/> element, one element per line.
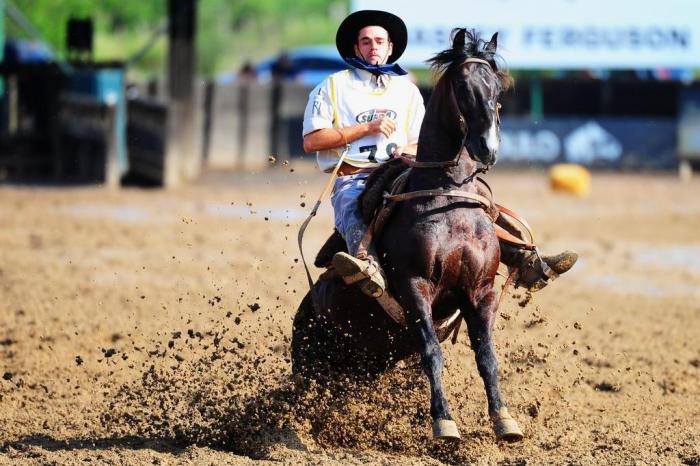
<point x="466" y="43"/>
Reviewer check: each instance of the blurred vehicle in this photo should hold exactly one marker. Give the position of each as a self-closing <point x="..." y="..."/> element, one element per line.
<point x="19" y="52"/>
<point x="308" y="65"/>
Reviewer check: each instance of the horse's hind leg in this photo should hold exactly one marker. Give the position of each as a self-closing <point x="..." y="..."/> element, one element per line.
<point x="431" y="355"/>
<point x="479" y="325"/>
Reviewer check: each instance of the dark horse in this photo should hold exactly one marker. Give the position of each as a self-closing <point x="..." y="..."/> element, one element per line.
<point x="440" y="254"/>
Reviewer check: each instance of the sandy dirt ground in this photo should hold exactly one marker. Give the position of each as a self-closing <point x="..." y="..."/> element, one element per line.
<point x="153" y="327"/>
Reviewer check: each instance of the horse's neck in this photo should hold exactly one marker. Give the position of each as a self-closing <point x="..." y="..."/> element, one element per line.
<point x="437" y="144"/>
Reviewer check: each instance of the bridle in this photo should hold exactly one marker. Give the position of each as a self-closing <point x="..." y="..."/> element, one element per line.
<point x="463" y="125"/>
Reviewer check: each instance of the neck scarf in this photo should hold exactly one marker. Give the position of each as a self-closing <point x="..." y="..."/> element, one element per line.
<point x="392" y="69"/>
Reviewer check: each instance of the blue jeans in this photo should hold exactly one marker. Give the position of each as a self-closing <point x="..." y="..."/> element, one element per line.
<point x="348" y="220"/>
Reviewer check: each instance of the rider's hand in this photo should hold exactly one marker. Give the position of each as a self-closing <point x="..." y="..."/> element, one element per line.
<point x="385" y="126"/>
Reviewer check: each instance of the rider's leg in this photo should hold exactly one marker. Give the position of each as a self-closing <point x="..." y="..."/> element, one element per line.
<point x="534" y="271"/>
<point x="358" y="264"/>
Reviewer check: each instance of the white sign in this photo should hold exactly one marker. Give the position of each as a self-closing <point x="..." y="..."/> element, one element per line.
<point x="591" y="142"/>
<point x="560" y="34"/>
<point x="585" y="144"/>
<point x="524" y="145"/>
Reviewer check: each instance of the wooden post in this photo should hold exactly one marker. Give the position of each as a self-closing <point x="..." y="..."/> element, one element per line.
<point x="112" y="175"/>
<point x="536" y="98"/>
<point x="183" y="161"/>
<point x="181" y="48"/>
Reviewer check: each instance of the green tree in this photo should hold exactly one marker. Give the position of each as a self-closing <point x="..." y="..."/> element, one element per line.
<point x="229" y="32"/>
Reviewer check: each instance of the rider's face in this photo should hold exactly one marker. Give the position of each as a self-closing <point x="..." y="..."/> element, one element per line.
<point x="373" y="45"/>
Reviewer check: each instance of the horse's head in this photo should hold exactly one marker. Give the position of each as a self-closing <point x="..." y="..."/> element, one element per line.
<point x="471" y="79"/>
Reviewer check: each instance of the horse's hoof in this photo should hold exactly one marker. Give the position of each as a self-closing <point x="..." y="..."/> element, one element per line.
<point x="505" y="427"/>
<point x="445" y="429"/>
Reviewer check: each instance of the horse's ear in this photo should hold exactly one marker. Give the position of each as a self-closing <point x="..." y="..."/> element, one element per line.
<point x="458" y="40"/>
<point x="493" y="43"/>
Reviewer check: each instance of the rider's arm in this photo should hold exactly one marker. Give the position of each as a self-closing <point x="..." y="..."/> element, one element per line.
<point x="330" y="138"/>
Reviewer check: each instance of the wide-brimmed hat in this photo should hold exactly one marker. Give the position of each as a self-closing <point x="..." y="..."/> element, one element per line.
<point x="346" y="37"/>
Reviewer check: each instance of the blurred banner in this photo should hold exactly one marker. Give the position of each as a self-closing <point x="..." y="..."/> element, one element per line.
<point x="566" y="34"/>
<point x="605" y="142"/>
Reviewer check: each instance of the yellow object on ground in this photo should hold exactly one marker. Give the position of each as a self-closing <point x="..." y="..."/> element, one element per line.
<point x="570" y="178"/>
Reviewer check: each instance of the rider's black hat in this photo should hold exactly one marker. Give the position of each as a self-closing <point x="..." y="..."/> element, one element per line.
<point x="346" y="37"/>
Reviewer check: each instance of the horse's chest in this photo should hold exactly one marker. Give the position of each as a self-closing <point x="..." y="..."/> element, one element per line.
<point x="450" y="231"/>
<point x="456" y="245"/>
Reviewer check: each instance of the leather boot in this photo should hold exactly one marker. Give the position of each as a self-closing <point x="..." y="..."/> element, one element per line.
<point x="535" y="271"/>
<point x="359" y="265"/>
<point x="365" y="271"/>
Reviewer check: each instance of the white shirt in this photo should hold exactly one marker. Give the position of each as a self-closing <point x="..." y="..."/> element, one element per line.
<point x="355" y="96"/>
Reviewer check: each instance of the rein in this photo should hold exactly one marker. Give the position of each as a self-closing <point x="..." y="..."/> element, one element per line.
<point x="312" y="214"/>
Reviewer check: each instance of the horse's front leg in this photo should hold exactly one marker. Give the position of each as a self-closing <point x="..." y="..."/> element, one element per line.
<point x="415" y="301"/>
<point x="480" y="325"/>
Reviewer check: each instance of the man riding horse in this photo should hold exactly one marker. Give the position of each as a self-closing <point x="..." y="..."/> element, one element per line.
<point x="370" y="114"/>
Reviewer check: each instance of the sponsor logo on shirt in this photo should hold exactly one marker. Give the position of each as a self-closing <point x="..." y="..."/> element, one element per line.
<point x="318" y="100"/>
<point x="375" y="114"/>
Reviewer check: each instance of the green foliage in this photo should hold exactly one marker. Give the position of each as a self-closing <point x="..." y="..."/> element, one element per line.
<point x="229" y="32"/>
<point x="111" y="16"/>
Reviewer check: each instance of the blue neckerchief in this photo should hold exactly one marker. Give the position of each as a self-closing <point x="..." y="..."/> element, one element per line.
<point x="392" y="69"/>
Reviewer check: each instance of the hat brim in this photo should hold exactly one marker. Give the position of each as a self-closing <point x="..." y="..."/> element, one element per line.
<point x="346" y="37"/>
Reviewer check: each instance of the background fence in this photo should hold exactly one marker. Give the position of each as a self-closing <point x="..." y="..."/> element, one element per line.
<point x="624" y="125"/>
<point x="604" y="124"/>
